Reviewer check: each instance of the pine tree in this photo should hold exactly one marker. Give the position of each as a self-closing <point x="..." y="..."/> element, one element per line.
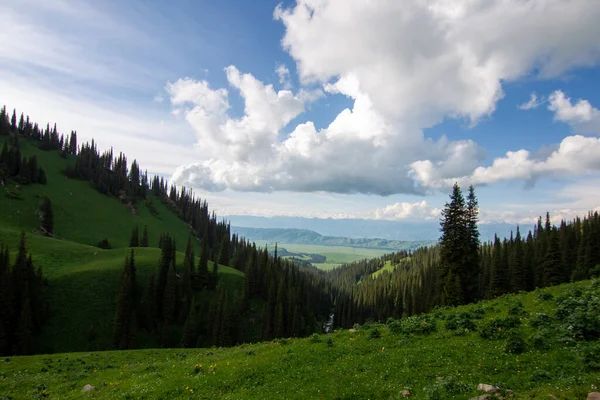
<point x="454" y="244"/>
<point x="124" y="327"/>
<point x="47" y="224"/>
<point x="518" y="270"/>
<point x="144" y="242"/>
<point x="170" y="296"/>
<point x="134" y="241"/>
<point x="552" y="263"/>
<point x="224" y="252"/>
<point x="203" y="266"/>
<point x="190" y="328"/>
<point x="470" y="278"/>
<point x="499" y="279"/>
<point x="24" y="332"/>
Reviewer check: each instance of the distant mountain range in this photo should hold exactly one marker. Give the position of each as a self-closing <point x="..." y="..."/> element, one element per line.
<point x="305" y="236"/>
<point x="365" y="228"/>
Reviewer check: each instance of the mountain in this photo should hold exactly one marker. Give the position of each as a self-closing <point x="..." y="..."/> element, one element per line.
<point x="365" y="228"/>
<point x="306" y="236"/>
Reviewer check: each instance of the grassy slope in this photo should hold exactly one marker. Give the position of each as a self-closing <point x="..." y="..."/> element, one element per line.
<point x="356" y="366"/>
<point x="83" y="286"/>
<point x="81" y="214"/>
<point x="387" y="267"/>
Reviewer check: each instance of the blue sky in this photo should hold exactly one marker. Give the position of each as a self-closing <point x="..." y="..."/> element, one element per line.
<point x="327" y="108"/>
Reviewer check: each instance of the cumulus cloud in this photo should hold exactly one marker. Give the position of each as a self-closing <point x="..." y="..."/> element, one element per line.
<point x="576" y="155"/>
<point x="533" y="102"/>
<point x="404" y="210"/>
<point x="284" y="76"/>
<point x="581" y="116"/>
<point x="405" y="66"/>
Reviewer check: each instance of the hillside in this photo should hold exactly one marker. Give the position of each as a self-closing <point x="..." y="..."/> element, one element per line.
<point x="83" y="287"/>
<point x="541" y="344"/>
<point x="81" y="214"/>
<point x="308" y="237"/>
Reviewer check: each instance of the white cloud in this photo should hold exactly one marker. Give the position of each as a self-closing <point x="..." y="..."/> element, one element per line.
<point x="576" y="156"/>
<point x="406" y="66"/>
<point x="284" y="76"/>
<point x="405" y="211"/>
<point x="533" y="103"/>
<point x="424" y="60"/>
<point x="582" y="116"/>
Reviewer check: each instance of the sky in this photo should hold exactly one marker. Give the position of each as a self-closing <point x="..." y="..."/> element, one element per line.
<point x="326" y="108"/>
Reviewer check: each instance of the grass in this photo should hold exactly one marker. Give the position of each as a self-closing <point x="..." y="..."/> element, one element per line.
<point x="335" y="255"/>
<point x="81" y="213"/>
<point x="388" y="267"/>
<point x="83" y="286"/>
<point x="377" y="361"/>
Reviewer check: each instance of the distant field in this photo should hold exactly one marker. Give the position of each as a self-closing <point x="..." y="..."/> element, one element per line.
<point x="336" y="255"/>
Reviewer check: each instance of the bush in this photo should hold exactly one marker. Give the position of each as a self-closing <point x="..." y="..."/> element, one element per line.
<point x="541" y="341"/>
<point x="591" y="357"/>
<point x="103" y="244"/>
<point x="329" y="342"/>
<point x="515" y="343"/>
<point x="515" y="308"/>
<point x="460" y="323"/>
<point x="540" y="320"/>
<point x="374" y="333"/>
<point x="545" y="296"/>
<point x="578" y="312"/>
<point x="315" y="338"/>
<point x="415" y="325"/>
<point x="497" y="328"/>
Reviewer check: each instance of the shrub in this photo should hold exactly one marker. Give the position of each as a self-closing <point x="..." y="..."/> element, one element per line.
<point x="374" y="333"/>
<point x="515" y="308"/>
<point x="103" y="244"/>
<point x="497" y="328"/>
<point x="515" y="343"/>
<point x="545" y="296"/>
<point x="591" y="357"/>
<point x="315" y="338"/>
<point x="541" y="340"/>
<point x="460" y="323"/>
<point x="578" y="311"/>
<point x="415" y="325"/>
<point x="329" y="342"/>
<point x="540" y="320"/>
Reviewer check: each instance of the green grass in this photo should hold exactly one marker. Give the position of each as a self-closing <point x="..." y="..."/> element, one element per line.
<point x="335" y="255"/>
<point x="388" y="267"/>
<point x="83" y="286"/>
<point x="360" y="365"/>
<point x="81" y="213"/>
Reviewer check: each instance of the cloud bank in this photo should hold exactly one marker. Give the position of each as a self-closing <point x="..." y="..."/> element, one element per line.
<point x="405" y="66"/>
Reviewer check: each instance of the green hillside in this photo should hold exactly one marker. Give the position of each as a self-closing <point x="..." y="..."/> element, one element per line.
<point x="541" y="344"/>
<point x="83" y="286"/>
<point x="81" y="214"/>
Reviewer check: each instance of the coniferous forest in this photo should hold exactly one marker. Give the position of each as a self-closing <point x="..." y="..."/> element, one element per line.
<point x="187" y="306"/>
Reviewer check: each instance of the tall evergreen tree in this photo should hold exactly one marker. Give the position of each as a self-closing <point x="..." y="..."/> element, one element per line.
<point x="47" y="224"/>
<point x="134" y="240"/>
<point x="144" y="242"/>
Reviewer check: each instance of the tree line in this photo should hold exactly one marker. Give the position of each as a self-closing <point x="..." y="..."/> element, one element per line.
<point x="460" y="270"/>
<point x="23" y="304"/>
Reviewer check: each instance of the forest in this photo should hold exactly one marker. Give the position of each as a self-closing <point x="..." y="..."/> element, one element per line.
<point x="186" y="306"/>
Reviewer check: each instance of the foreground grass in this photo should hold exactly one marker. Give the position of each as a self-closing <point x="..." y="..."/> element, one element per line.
<point x="82" y="288"/>
<point x="371" y="363"/>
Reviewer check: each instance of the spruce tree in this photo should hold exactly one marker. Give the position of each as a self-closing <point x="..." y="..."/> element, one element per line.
<point x="552" y="263"/>
<point x="203" y="275"/>
<point x="134" y="241"/>
<point x="170" y="296"/>
<point x="144" y="242"/>
<point x="47" y="224"/>
<point x="190" y="328"/>
<point x="24" y="332"/>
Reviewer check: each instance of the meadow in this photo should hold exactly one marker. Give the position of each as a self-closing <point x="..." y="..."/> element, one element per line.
<point x="335" y="255"/>
<point x="541" y="344"/>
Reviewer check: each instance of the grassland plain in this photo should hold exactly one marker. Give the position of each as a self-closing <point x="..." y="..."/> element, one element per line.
<point x="335" y="255"/>
<point x="441" y="355"/>
<point x="81" y="213"/>
<point x="83" y="286"/>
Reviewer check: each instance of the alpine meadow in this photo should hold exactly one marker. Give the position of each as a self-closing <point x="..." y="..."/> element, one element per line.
<point x="306" y="199"/>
